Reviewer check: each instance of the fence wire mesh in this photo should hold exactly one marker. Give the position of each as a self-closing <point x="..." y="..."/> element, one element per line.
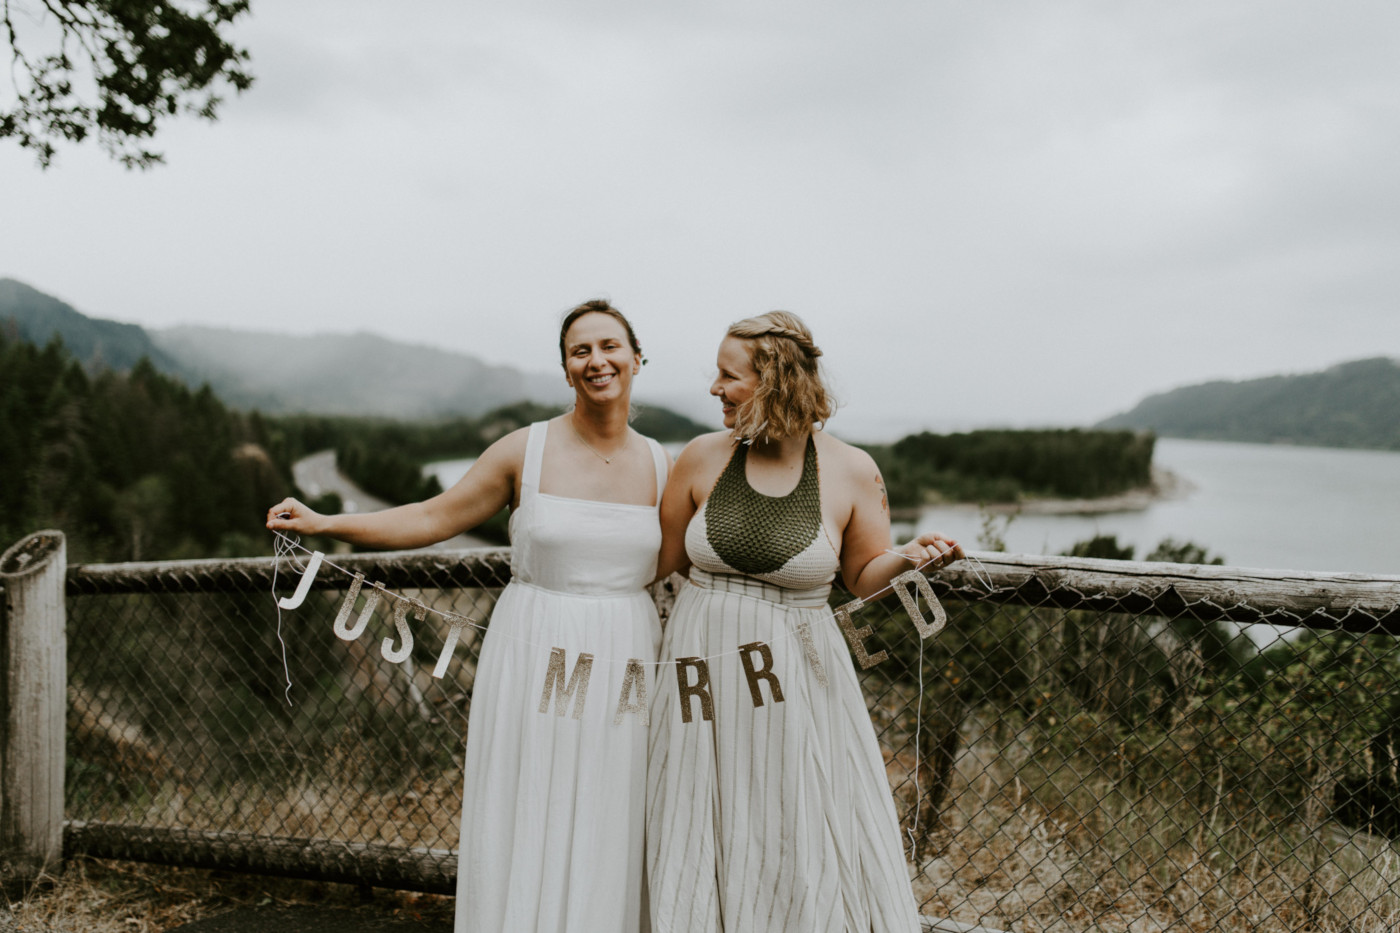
<point x="1066" y="755"/>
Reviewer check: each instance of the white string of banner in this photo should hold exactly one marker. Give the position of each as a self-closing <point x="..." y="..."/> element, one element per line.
<point x="287" y="547"/>
<point x="281" y="548"/>
<point x="918" y="762"/>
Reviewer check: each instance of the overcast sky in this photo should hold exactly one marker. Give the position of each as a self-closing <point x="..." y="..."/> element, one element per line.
<point x="1004" y="213"/>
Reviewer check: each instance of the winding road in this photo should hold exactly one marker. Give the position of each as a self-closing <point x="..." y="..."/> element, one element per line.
<point x="317" y="475"/>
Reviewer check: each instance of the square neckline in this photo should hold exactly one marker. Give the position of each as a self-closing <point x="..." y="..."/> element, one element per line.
<point x="534" y="465"/>
<point x="625" y="505"/>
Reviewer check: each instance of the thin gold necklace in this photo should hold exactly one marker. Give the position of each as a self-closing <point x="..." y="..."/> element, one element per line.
<point x="585" y="443"/>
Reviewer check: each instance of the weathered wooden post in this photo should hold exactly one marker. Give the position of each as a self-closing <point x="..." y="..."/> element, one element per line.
<point x="33" y="686"/>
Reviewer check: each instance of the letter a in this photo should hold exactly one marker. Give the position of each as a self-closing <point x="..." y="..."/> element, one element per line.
<point x="635" y="674"/>
<point x="578" y="681"/>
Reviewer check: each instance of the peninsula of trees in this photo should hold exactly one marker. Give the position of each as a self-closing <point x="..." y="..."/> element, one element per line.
<point x="1009" y="466"/>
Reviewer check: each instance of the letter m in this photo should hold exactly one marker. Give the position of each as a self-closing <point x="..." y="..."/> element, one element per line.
<point x="576" y="688"/>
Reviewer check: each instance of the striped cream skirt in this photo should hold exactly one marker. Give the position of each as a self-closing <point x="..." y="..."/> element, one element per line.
<point x="768" y="809"/>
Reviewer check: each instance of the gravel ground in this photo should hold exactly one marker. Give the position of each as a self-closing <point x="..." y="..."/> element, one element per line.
<point x="99" y="896"/>
<point x="307" y="920"/>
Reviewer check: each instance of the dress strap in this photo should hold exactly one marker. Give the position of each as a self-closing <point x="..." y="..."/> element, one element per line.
<point x="658" y="458"/>
<point x="534" y="459"/>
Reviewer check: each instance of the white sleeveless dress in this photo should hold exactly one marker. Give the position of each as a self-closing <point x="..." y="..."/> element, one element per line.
<point x="774" y="818"/>
<point x="553" y="805"/>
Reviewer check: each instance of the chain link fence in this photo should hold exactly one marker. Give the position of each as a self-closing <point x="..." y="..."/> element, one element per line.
<point x="1087" y="745"/>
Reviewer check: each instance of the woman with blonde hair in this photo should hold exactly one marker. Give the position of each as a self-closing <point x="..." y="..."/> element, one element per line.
<point x="768" y="808"/>
<point x="553" y="804"/>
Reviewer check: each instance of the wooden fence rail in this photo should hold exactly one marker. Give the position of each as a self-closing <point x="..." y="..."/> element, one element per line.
<point x="1362" y="603"/>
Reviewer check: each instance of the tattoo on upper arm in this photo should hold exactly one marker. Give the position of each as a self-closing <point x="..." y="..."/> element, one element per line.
<point x="884" y="497"/>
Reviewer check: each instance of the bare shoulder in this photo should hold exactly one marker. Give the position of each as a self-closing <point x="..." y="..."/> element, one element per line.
<point x="856" y="487"/>
<point x="843" y="459"/>
<point x="703" y="458"/>
<point x="707" y="447"/>
<point x="712" y="439"/>
<point x="508" y="452"/>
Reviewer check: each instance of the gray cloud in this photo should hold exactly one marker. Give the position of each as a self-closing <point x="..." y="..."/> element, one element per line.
<point x="990" y="213"/>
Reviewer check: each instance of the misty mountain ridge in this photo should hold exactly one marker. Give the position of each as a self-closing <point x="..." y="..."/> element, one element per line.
<point x="35" y="317"/>
<point x="1353" y="404"/>
<point x="329" y="374"/>
<point x="349" y="374"/>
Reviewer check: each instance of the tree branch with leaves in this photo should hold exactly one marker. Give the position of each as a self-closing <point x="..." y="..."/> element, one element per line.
<point x="116" y="70"/>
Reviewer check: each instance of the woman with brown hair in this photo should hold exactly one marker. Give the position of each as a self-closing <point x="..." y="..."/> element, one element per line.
<point x="553" y="802"/>
<point x="768" y="808"/>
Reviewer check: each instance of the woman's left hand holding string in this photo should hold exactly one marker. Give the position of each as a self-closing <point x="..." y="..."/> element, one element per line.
<point x="931" y="551"/>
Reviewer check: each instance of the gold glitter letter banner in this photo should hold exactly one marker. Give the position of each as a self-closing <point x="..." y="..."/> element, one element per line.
<point x="449" y="644"/>
<point x="402" y="607"/>
<point x="342" y="630"/>
<point x="763" y="673"/>
<point x="911" y="602"/>
<point x="857" y="636"/>
<point x="555" y="675"/>
<point x="304" y="587"/>
<point x="809" y="647"/>
<point x="701" y="688"/>
<point x="635" y="674"/>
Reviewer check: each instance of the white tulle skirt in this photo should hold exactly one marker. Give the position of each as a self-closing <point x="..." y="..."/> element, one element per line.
<point x="553" y="806"/>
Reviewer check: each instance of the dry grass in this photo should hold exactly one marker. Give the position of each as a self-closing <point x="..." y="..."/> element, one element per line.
<point x="424" y="814"/>
<point x="1086" y="856"/>
<point x="96" y="896"/>
<point x="1020" y="845"/>
<point x="1017" y="848"/>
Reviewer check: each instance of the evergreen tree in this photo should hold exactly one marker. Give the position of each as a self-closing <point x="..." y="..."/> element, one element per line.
<point x="130" y="466"/>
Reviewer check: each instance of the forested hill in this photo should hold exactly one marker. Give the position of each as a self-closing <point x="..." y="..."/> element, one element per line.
<point x="29" y="315"/>
<point x="130" y="465"/>
<point x="1354" y="404"/>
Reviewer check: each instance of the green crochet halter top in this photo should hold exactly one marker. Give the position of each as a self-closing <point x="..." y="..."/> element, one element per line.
<point x="754" y="533"/>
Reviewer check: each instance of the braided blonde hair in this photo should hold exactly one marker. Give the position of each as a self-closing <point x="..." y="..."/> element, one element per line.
<point x="791" y="395"/>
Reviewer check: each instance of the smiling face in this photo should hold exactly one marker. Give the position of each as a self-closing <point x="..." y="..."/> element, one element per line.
<point x="737" y="380"/>
<point x="598" y="358"/>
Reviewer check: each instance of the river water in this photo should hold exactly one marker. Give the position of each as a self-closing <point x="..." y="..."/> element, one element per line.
<point x="1257" y="505"/>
